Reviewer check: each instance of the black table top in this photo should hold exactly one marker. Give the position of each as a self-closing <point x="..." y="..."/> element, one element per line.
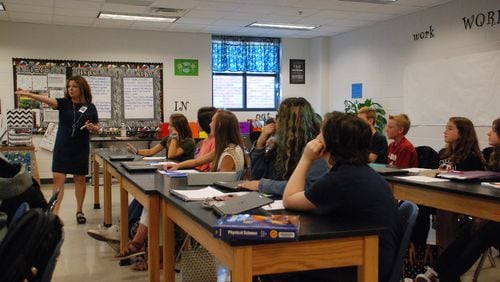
<point x="457" y="187"/>
<point x="312" y="226"/>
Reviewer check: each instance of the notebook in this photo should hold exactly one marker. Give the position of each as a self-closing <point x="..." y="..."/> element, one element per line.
<point x="230" y="185"/>
<point x="138" y="166"/>
<point x="208" y="178"/>
<point x="121" y="157"/>
<point x="241" y="204"/>
<point x="388" y="171"/>
<point x="471" y="175"/>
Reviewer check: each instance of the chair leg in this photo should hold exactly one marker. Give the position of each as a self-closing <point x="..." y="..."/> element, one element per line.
<point x="485" y="254"/>
<point x="491" y="258"/>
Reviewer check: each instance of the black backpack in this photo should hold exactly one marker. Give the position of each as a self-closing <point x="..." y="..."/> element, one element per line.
<point x="33" y="241"/>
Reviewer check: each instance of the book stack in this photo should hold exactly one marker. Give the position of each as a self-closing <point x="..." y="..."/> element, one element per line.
<point x="258" y="227"/>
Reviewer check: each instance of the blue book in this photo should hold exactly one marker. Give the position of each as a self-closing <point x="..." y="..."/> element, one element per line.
<point x="258" y="227"/>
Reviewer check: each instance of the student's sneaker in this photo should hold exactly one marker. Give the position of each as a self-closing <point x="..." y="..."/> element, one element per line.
<point x="105" y="234"/>
<point x="429" y="276"/>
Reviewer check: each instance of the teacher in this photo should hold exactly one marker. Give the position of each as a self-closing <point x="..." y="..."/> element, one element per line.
<point x="77" y="119"/>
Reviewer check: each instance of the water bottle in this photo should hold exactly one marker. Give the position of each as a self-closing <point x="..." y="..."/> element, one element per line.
<point x="123" y="131"/>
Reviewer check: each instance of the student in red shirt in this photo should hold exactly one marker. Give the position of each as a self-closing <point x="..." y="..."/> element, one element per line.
<point x="401" y="152"/>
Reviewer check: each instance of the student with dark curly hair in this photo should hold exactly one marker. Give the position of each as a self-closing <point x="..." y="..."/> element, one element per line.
<point x="279" y="147"/>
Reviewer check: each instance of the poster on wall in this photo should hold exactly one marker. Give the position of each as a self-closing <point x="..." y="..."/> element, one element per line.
<point x="101" y="94"/>
<point x="297" y="71"/>
<point x="49" y="138"/>
<point x="138" y="97"/>
<point x="188" y="67"/>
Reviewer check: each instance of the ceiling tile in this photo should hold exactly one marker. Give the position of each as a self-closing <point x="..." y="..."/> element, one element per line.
<point x="38" y="9"/>
<point x="72" y="12"/>
<point x="58" y="19"/>
<point x="118" y="8"/>
<point x="77" y="5"/>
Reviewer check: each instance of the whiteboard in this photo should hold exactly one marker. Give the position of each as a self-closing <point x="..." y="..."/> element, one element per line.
<point x="467" y="86"/>
<point x="101" y="94"/>
<point x="138" y="97"/>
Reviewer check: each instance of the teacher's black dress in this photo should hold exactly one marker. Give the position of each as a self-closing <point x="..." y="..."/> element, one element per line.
<point x="71" y="151"/>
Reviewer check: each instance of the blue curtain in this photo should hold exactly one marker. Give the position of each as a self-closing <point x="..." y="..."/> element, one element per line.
<point x="245" y="54"/>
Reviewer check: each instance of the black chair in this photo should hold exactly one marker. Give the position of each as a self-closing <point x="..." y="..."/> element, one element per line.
<point x="408" y="212"/>
<point x="427" y="157"/>
<point x="487" y="153"/>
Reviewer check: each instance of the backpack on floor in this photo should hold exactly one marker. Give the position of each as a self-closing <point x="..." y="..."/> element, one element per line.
<point x="32" y="241"/>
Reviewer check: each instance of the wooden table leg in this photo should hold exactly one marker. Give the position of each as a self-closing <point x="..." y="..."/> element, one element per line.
<point x="369" y="270"/>
<point x="168" y="245"/>
<point x="95" y="165"/>
<point x="108" y="221"/>
<point x="153" y="238"/>
<point x="123" y="218"/>
<point x="242" y="272"/>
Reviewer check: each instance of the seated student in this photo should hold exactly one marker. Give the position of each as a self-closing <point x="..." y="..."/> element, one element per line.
<point x="228" y="154"/>
<point x="344" y="141"/>
<point x="378" y="147"/>
<point x="273" y="162"/>
<point x="401" y="154"/>
<point x="180" y="144"/>
<point x="462" y="253"/>
<point x="207" y="145"/>
<point x="462" y="148"/>
<point x="136" y="245"/>
<point x="461" y="153"/>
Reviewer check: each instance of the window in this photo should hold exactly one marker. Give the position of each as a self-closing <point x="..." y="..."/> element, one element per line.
<point x="245" y="73"/>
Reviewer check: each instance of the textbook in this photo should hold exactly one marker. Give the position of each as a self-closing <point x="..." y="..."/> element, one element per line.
<point x="491" y="184"/>
<point x="258" y="227"/>
<point x="471" y="175"/>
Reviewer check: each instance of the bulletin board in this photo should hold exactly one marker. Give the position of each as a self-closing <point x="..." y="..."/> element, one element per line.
<point x="122" y="92"/>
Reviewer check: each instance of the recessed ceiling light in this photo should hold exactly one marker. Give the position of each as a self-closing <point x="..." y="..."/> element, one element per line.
<point x="283" y="26"/>
<point x="372" y="1"/>
<point x="132" y="17"/>
<point x="2" y="7"/>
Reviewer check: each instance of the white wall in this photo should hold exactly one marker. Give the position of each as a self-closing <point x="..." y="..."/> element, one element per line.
<point x="79" y="43"/>
<point x="378" y="55"/>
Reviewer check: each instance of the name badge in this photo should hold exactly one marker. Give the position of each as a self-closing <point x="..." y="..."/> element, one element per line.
<point x="82" y="109"/>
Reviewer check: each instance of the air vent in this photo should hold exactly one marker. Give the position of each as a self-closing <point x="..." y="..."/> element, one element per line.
<point x="371" y="1"/>
<point x="166" y="10"/>
<point x="141" y="3"/>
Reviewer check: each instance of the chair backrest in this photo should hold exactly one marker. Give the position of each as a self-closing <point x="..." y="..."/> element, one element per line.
<point x="408" y="212"/>
<point x="427" y="157"/>
<point x="487" y="153"/>
<point x="33" y="241"/>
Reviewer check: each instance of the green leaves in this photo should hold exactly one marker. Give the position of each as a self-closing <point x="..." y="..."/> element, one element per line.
<point x="353" y="107"/>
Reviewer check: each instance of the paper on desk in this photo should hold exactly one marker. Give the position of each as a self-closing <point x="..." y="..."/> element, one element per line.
<point x="422" y="179"/>
<point x="153" y="158"/>
<point x="197" y="194"/>
<point x="416" y="169"/>
<point x="276" y="205"/>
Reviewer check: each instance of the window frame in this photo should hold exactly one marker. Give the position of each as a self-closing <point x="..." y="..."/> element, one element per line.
<point x="245" y="74"/>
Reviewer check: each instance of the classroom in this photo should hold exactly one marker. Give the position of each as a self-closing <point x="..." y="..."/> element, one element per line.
<point x="430" y="59"/>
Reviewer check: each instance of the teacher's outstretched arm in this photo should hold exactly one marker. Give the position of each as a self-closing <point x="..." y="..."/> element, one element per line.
<point x="52" y="102"/>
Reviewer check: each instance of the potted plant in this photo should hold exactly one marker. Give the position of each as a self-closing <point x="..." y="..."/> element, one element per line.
<point x="353" y="107"/>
